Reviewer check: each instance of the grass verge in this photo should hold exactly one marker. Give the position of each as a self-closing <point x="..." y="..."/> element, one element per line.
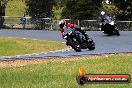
<point x="14" y="46"/>
<point x="62" y="74"/>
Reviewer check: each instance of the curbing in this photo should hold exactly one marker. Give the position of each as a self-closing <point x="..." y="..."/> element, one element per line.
<point x="22" y="56"/>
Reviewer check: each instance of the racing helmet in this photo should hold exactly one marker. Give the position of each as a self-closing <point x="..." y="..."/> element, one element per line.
<point x="102" y="13"/>
<point x="62" y="22"/>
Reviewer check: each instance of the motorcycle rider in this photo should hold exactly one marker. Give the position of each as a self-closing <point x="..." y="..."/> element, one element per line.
<point x="64" y="26"/>
<point x="102" y="19"/>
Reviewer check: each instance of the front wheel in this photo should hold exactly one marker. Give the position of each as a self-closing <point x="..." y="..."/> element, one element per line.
<point x="117" y="32"/>
<point x="74" y="44"/>
<point x="91" y="45"/>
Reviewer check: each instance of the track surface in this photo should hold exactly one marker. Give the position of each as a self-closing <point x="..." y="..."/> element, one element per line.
<point x="104" y="44"/>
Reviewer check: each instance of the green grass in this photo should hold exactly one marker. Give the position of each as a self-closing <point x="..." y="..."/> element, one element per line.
<point x="62" y="74"/>
<point x="14" y="46"/>
<point x="15" y="8"/>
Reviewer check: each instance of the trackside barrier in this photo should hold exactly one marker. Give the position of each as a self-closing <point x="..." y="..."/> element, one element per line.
<point x="17" y="22"/>
<point x="51" y="24"/>
<point x="124" y="25"/>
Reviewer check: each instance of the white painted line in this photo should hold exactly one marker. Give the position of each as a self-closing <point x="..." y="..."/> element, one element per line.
<point x="18" y="56"/>
<point x="35" y="39"/>
<point x="64" y="42"/>
<point x="24" y="38"/>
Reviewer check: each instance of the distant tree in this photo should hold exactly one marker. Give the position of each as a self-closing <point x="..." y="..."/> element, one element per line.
<point x="110" y="8"/>
<point x="125" y="6"/>
<point x="81" y="9"/>
<point x="42" y="8"/>
<point x="0" y="8"/>
<point x="60" y="3"/>
<point x="2" y="11"/>
<point x="3" y="4"/>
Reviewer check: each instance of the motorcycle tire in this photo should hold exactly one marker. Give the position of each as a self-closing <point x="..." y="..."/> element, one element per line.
<point x="91" y="45"/>
<point x="75" y="45"/>
<point x="117" y="32"/>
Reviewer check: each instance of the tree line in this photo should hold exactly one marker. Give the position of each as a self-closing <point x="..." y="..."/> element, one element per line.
<point x="79" y="9"/>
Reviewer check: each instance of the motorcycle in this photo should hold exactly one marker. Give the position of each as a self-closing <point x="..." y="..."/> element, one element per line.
<point x="108" y="26"/>
<point x="77" y="40"/>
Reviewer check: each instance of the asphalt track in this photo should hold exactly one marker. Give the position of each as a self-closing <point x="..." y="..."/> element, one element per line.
<point x="104" y="44"/>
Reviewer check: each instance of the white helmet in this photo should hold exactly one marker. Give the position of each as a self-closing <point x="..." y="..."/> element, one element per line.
<point x="62" y="22"/>
<point x="102" y="12"/>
